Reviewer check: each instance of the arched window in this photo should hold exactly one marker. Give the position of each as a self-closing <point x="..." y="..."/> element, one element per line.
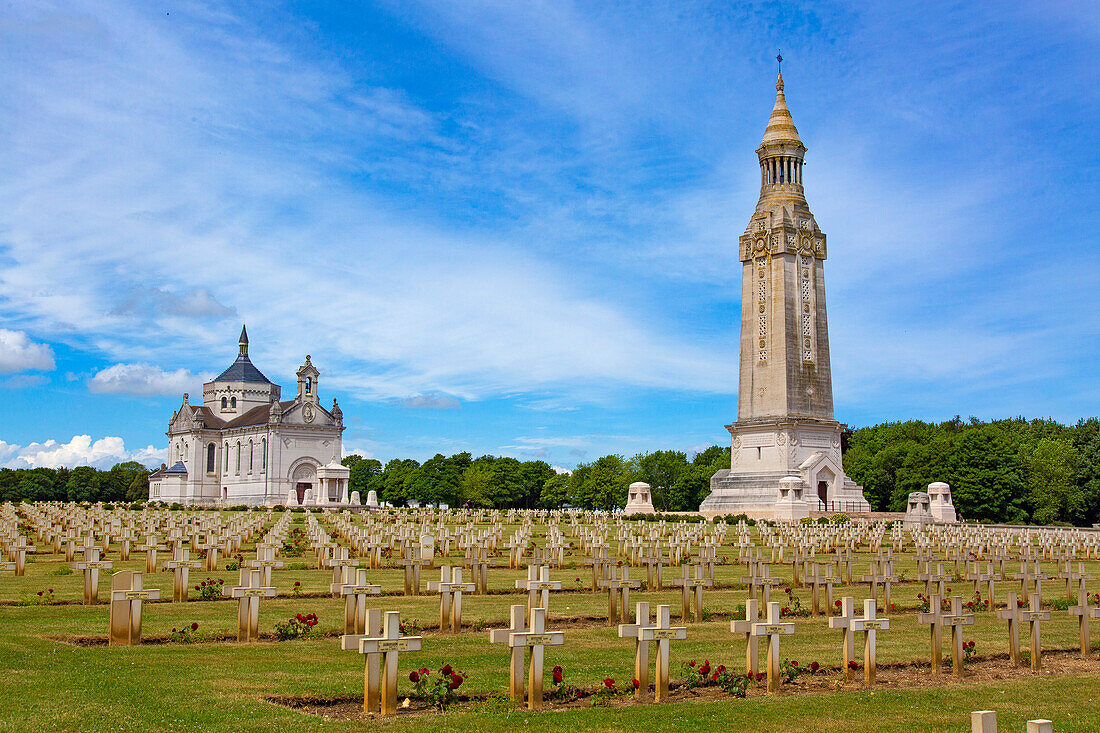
<point x="250" y="454"/>
<point x="225" y="458"/>
<point x="309" y="384"/>
<point x="225" y="403"/>
<point x="263" y="454"/>
<point x="233" y="403"/>
<point x="238" y="456"/>
<point x="210" y="465"/>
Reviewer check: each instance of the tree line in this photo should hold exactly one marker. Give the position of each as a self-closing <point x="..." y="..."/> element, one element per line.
<point x="1016" y="471"/>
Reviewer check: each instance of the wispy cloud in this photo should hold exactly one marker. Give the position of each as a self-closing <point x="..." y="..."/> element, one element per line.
<point x="430" y="402"/>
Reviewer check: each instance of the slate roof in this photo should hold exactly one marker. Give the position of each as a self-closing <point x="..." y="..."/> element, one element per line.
<point x="178" y="467"/>
<point x="242" y="370"/>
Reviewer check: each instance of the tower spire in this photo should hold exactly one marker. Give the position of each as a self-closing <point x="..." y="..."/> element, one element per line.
<point x="242" y="342"/>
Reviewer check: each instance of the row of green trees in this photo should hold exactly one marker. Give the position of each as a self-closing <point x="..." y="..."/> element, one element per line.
<point x="124" y="482"/>
<point x="1036" y="471"/>
<point x="1017" y="471"/>
<point x="460" y="480"/>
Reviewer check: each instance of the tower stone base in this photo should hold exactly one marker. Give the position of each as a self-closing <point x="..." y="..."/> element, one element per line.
<point x="788" y="460"/>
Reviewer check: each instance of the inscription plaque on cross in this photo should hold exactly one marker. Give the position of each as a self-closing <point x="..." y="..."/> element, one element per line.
<point x="773" y="628"/>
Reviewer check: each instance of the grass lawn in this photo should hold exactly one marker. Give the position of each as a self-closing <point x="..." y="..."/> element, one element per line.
<point x="50" y="684"/>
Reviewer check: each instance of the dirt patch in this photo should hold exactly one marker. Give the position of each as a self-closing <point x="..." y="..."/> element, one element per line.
<point x="905" y="675"/>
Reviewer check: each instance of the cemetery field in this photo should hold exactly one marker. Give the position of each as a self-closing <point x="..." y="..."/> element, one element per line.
<point x="60" y="674"/>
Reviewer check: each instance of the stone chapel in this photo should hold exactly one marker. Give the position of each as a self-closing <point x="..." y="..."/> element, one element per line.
<point x="785" y="458"/>
<point x="244" y="445"/>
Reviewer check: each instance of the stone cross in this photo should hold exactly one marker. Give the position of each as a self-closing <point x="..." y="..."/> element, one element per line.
<point x="691" y="598"/>
<point x="1011" y="613"/>
<point x="518" y="625"/>
<point x="766" y="583"/>
<point x="817" y="580"/>
<point x="938" y="579"/>
<point x="773" y="629"/>
<point x="536" y="639"/>
<point x="1035" y="615"/>
<point x="752" y="616"/>
<point x="150" y="548"/>
<point x="600" y="566"/>
<point x="181" y="566"/>
<point x="412" y="562"/>
<point x="479" y="562"/>
<point x="91" y="565"/>
<point x="956" y="620"/>
<point x="618" y="594"/>
<point x="843" y="621"/>
<point x="390" y="644"/>
<point x="342" y="570"/>
<point x="538" y="586"/>
<point x="355" y="602"/>
<point x="935" y="620"/>
<point x="249" y="593"/>
<point x="265" y="561"/>
<point x="372" y="669"/>
<point x="661" y="633"/>
<point x="1083" y="611"/>
<point x="18" y="552"/>
<point x="641" y="649"/>
<point x="870" y="626"/>
<point x="450" y="589"/>
<point x="127" y="594"/>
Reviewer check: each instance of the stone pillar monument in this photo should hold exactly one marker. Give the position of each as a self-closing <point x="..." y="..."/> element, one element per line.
<point x="785" y="425"/>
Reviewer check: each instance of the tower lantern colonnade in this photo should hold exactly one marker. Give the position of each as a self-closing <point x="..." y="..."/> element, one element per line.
<point x="785" y="457"/>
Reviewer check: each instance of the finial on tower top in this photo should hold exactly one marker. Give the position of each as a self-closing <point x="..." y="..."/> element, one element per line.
<point x="779" y="79"/>
<point x="243" y="341"/>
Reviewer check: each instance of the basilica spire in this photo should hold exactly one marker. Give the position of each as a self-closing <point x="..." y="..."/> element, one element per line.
<point x="242" y="342"/>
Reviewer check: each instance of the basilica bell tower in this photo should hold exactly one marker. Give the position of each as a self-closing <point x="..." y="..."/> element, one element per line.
<point x="785" y="459"/>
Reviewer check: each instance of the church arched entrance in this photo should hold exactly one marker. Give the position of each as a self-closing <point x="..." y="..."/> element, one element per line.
<point x="304" y="479"/>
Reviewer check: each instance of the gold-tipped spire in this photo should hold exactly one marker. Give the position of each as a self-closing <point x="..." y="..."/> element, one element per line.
<point x="781" y="129"/>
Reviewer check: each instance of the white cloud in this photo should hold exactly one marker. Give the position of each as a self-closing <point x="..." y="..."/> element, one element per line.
<point x="430" y="402"/>
<point x="144" y="380"/>
<point x="79" y="451"/>
<point x="18" y="353"/>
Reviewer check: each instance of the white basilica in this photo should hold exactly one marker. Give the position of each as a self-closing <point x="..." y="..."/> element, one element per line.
<point x="245" y="446"/>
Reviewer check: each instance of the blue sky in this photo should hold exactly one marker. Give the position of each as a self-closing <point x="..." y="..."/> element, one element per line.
<point x="510" y="227"/>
